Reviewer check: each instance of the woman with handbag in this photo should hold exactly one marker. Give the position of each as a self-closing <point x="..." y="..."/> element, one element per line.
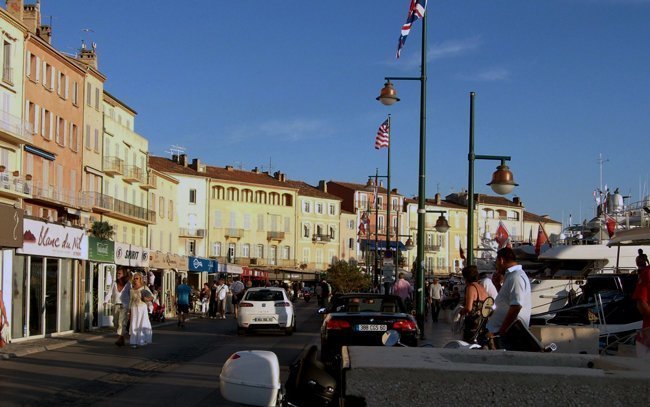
<point x="140" y="330"/>
<point x="475" y="295"/>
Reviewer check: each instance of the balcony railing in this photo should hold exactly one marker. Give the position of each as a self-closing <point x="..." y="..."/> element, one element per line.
<point x="133" y="211"/>
<point x="150" y="181"/>
<point x="232" y="232"/>
<point x="431" y="247"/>
<point x="133" y="174"/>
<point x="274" y="235"/>
<point x="55" y="194"/>
<point x="191" y="232"/>
<point x="320" y="238"/>
<point x="98" y="201"/>
<point x="113" y="165"/>
<point x="13" y="185"/>
<point x="14" y="129"/>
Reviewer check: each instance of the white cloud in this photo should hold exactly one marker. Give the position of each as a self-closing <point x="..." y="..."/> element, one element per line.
<point x="453" y="48"/>
<point x="488" y="75"/>
<point x="280" y="130"/>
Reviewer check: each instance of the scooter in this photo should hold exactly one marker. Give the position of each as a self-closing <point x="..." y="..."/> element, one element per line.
<point x="253" y="378"/>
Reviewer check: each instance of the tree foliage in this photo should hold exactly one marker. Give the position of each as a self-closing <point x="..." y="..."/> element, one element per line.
<point x="102" y="230"/>
<point x="345" y="278"/>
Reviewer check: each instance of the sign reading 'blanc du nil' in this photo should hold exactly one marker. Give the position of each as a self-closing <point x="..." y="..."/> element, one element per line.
<point x="53" y="240"/>
<point x="101" y="250"/>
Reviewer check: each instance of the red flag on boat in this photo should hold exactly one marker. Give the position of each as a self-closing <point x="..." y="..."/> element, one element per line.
<point x="611" y="225"/>
<point x="502" y="237"/>
<point x="541" y="240"/>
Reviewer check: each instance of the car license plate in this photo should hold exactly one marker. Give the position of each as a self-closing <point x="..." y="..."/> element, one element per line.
<point x="371" y="328"/>
<point x="264" y="319"/>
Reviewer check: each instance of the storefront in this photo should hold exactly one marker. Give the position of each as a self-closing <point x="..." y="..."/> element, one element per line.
<point x="167" y="268"/>
<point x="98" y="278"/>
<point x="44" y="279"/>
<point x="199" y="269"/>
<point x="11" y="238"/>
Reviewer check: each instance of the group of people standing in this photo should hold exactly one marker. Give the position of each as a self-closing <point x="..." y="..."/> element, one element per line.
<point x="130" y="296"/>
<point x="214" y="297"/>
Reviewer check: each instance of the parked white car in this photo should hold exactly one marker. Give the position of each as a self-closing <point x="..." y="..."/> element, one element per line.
<point x="266" y="308"/>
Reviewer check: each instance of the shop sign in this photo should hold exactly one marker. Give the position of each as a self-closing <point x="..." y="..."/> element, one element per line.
<point x="160" y="260"/>
<point x="201" y="264"/>
<point x="53" y="240"/>
<point x="131" y="255"/>
<point x="11" y="234"/>
<point x="101" y="250"/>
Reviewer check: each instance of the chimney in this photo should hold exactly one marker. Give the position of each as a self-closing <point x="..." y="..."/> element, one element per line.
<point x="32" y="17"/>
<point x="322" y="185"/>
<point x="15" y="8"/>
<point x="88" y="56"/>
<point x="279" y="176"/>
<point x="229" y="168"/>
<point x="175" y="158"/>
<point x="45" y="32"/>
<point x="196" y="164"/>
<point x="438" y="200"/>
<point x="182" y="160"/>
<point x="381" y="183"/>
<point x="516" y="201"/>
<point x="256" y="170"/>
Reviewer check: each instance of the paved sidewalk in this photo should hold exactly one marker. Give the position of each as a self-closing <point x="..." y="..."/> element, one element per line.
<point x="28" y="347"/>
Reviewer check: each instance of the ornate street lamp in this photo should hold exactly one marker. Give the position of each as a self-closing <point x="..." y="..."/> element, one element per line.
<point x="502" y="180"/>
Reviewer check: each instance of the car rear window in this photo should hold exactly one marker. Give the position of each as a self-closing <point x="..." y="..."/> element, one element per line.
<point x="264" y="295"/>
<point x="356" y="304"/>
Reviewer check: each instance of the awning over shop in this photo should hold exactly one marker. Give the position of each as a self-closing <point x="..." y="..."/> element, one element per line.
<point x="199" y="264"/>
<point x="381" y="245"/>
<point x="231" y="268"/>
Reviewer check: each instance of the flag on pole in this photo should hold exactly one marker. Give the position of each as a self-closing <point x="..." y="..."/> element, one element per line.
<point x="383" y="135"/>
<point x="542" y="239"/>
<point x="462" y="252"/>
<point x="611" y="225"/>
<point x="362" y="225"/>
<point x="502" y="237"/>
<point x="416" y="10"/>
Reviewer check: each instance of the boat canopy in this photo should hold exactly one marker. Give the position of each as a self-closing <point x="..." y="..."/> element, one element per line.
<point x="631" y="237"/>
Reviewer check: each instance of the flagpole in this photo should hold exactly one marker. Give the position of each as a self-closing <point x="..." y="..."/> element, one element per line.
<point x="388" y="252"/>
<point x="376" y="192"/>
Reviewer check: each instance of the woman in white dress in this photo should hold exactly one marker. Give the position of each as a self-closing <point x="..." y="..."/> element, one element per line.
<point x="140" y="331"/>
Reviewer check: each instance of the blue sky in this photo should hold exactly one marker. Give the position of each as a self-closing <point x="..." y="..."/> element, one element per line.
<point x="293" y="84"/>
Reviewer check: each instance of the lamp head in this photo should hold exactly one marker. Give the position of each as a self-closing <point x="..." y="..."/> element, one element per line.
<point x="388" y="94"/>
<point x="442" y="226"/>
<point x="409" y="244"/>
<point x="502" y="180"/>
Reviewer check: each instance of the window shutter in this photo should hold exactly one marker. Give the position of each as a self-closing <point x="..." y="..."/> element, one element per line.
<point x="44" y="73"/>
<point x="66" y="88"/>
<point x="38" y="71"/>
<point x="71" y="139"/>
<point x="64" y="136"/>
<point x="37" y="115"/>
<point x="28" y="64"/>
<point x="43" y="123"/>
<point x="51" y="126"/>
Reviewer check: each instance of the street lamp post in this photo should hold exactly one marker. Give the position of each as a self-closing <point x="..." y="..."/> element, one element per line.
<point x="388" y="96"/>
<point x="502" y="180"/>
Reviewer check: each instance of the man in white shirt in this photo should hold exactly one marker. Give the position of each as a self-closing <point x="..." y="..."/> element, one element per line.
<point x="222" y="295"/>
<point x="435" y="294"/>
<point x="490" y="288"/>
<point x="514" y="299"/>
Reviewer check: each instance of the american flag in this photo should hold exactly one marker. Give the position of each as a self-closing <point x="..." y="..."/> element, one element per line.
<point x="383" y="135"/>
<point x="416" y="10"/>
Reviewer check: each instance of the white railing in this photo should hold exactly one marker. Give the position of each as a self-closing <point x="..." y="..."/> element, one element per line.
<point x="14" y="183"/>
<point x="56" y="194"/>
<point x="16" y="127"/>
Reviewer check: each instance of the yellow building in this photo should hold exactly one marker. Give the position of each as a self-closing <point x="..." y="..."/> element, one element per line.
<point x="163" y="235"/>
<point x="318" y="234"/>
<point x="349" y="233"/>
<point x="126" y="183"/>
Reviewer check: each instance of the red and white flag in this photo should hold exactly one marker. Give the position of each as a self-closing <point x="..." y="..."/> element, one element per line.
<point x="383" y="135"/>
<point x="611" y="225"/>
<point x="502" y="237"/>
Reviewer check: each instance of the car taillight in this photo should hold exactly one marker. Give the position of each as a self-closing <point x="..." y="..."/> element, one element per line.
<point x="333" y="324"/>
<point x="245" y="304"/>
<point x="282" y="304"/>
<point x="405" y="326"/>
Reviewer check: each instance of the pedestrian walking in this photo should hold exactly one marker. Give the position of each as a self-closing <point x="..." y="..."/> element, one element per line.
<point x="514" y="300"/>
<point x="119" y="295"/>
<point x="212" y="308"/>
<point x="183" y="292"/>
<point x="475" y="296"/>
<point x="140" y="331"/>
<point x="435" y="293"/>
<point x="404" y="290"/>
<point x="319" y="294"/>
<point x="237" y="288"/>
<point x="205" y="300"/>
<point x="222" y="295"/>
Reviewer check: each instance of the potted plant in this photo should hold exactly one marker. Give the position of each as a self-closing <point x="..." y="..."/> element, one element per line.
<point x="2" y="168"/>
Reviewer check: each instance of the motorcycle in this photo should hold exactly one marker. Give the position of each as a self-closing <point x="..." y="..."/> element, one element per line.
<point x="253" y="378"/>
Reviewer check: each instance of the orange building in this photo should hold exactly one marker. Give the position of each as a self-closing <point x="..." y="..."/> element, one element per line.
<point x="54" y="115"/>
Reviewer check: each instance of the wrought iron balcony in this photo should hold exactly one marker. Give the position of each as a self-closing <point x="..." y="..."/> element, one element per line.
<point x="97" y="201"/>
<point x="57" y="195"/>
<point x="113" y="166"/>
<point x="133" y="212"/>
<point x="274" y="235"/>
<point x="431" y="247"/>
<point x="150" y="181"/>
<point x="14" y="130"/>
<point x="191" y="232"/>
<point x="320" y="238"/>
<point x="14" y="186"/>
<point x="133" y="173"/>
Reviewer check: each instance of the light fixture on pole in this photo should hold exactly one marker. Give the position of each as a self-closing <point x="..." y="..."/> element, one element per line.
<point x="502" y="180"/>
